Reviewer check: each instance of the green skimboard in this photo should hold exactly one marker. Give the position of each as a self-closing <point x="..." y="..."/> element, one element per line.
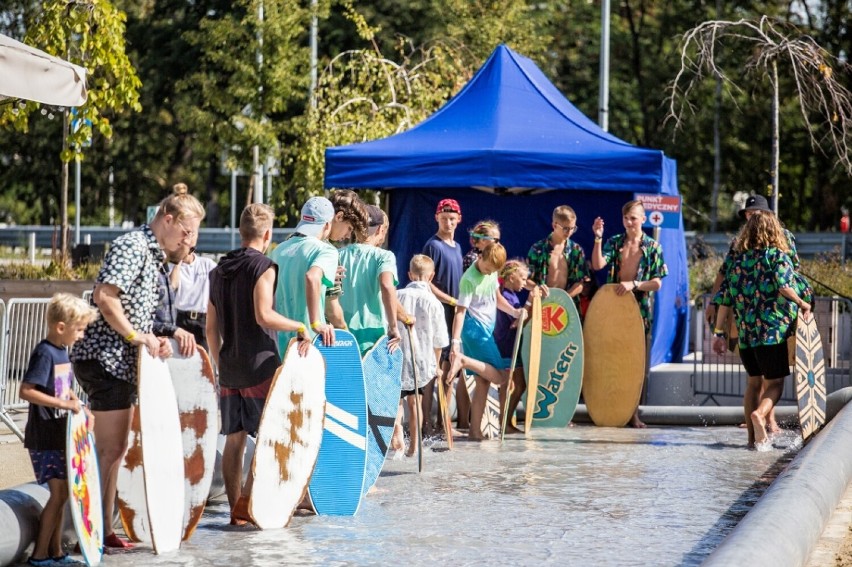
<point x="560" y="376"/>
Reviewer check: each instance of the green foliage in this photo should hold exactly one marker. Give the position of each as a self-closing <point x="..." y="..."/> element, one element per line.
<point x="52" y="271"/>
<point x="828" y="275"/>
<point x="702" y="273"/>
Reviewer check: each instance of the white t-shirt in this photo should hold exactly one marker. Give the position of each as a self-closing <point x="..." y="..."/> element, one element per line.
<point x="430" y="332"/>
<point x="478" y="293"/>
<point x="194" y="289"/>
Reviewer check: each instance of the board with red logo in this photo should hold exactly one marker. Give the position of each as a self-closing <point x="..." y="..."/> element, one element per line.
<point x="560" y="375"/>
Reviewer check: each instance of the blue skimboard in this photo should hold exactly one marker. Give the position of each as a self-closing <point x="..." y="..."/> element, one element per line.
<point x="338" y="478"/>
<point x="383" y="380"/>
<point x="560" y="375"/>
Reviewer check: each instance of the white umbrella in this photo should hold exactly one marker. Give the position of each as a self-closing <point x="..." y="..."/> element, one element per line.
<point x="30" y="74"/>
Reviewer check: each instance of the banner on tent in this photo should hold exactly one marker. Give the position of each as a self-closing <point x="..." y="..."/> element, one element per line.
<point x="662" y="211"/>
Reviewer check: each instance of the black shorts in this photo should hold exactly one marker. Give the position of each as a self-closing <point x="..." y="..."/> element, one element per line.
<point x="769" y="361"/>
<point x="241" y="408"/>
<point x="104" y="391"/>
<point x="194" y="322"/>
<point x="405" y="393"/>
<point x="449" y="317"/>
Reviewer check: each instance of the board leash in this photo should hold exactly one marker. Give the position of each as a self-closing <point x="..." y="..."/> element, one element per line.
<point x="511" y="383"/>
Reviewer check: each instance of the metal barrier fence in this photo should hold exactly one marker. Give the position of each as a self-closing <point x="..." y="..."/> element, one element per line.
<point x="720" y="376"/>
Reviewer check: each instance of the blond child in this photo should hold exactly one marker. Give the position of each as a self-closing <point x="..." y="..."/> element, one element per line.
<point x="479" y="297"/>
<point x="513" y="277"/>
<point x="430" y="336"/>
<point x="485" y="232"/>
<point x="48" y="387"/>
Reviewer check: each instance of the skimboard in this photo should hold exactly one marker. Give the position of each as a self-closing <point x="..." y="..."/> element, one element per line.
<point x="84" y="488"/>
<point x="132" y="509"/>
<point x="288" y="438"/>
<point x="198" y="406"/>
<point x="510" y="384"/>
<point x="162" y="453"/>
<point x="491" y="418"/>
<point x="531" y="368"/>
<point x="614" y="366"/>
<point x="810" y="377"/>
<point x="444" y="408"/>
<point x="383" y="381"/>
<point x="335" y="487"/>
<point x="560" y="375"/>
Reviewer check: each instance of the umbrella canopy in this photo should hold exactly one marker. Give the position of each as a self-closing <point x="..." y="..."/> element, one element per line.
<point x="30" y="74"/>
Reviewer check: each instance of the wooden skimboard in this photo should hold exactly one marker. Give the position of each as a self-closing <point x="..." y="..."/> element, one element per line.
<point x="338" y="479"/>
<point x="162" y="453"/>
<point x="560" y="375"/>
<point x="84" y="488"/>
<point x="533" y="362"/>
<point x="132" y="509"/>
<point x="288" y="438"/>
<point x="490" y="427"/>
<point x="198" y="406"/>
<point x="614" y="365"/>
<point x="383" y="381"/>
<point x="444" y="408"/>
<point x="810" y="377"/>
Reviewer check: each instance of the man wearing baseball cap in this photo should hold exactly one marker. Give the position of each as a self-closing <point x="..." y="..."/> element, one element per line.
<point x="446" y="253"/>
<point x="306" y="266"/>
<point x="755" y="204"/>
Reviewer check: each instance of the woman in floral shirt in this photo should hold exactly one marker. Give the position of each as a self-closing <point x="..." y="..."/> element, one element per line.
<point x="105" y="360"/>
<point x="759" y="287"/>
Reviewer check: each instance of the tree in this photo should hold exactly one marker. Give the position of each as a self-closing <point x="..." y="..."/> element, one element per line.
<point x="811" y="71"/>
<point x="89" y="33"/>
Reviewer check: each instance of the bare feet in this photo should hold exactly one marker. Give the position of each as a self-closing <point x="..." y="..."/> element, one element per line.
<point x="759" y="427"/>
<point x="512" y="430"/>
<point x="637" y="423"/>
<point x="772" y="427"/>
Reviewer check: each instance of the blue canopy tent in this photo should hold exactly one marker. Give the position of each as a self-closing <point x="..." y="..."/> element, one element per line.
<point x="510" y="147"/>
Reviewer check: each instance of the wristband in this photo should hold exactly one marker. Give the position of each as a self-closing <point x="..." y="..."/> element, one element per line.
<point x="598" y="238"/>
<point x="636" y="285"/>
<point x="301" y="330"/>
<point x="133" y="334"/>
<point x="455" y="341"/>
<point x="316" y="325"/>
<point x="407" y="321"/>
<point x="453" y="302"/>
<point x="718" y="333"/>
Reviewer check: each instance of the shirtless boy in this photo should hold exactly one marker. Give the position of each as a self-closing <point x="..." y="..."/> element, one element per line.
<point x="636" y="265"/>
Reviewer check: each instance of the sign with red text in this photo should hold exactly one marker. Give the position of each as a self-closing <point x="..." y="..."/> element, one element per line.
<point x="661" y="211"/>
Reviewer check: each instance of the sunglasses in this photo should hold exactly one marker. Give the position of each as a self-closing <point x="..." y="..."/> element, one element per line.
<point x="484" y="237"/>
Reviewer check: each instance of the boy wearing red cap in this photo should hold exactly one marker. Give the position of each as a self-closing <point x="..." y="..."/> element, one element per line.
<point x="446" y="254"/>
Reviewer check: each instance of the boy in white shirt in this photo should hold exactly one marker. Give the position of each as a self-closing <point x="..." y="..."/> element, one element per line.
<point x="430" y="336"/>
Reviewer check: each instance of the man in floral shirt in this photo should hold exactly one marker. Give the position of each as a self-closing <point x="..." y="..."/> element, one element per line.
<point x="760" y="288"/>
<point x="105" y="360"/>
<point x="636" y="266"/>
<point x="557" y="261"/>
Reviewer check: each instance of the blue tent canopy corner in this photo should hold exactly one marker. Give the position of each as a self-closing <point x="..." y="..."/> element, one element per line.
<point x="510" y="147"/>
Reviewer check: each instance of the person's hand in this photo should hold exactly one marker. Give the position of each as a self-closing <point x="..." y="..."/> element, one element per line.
<point x="409" y="320"/>
<point x="72" y="405"/>
<point x="542" y="290"/>
<point x="339" y="275"/>
<point x="149" y="341"/>
<point x="303" y="347"/>
<point x="394" y="340"/>
<point x="186" y="342"/>
<point x="164" y="347"/>
<point x="720" y="345"/>
<point x="626" y="287"/>
<point x="326" y="331"/>
<point x="805" y="310"/>
<point x="710" y="315"/>
<point x="598" y="227"/>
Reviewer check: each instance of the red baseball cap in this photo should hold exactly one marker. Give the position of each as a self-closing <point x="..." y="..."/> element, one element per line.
<point x="448" y="206"/>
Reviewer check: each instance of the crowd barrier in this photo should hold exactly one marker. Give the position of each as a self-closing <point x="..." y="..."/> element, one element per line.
<point x="716" y="377"/>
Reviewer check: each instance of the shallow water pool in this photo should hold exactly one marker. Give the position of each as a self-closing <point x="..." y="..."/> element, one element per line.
<point x="576" y="496"/>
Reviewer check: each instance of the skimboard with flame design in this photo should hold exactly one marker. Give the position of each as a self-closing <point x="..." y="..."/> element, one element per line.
<point x="84" y="487"/>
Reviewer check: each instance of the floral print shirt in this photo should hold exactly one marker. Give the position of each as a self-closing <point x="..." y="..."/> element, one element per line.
<point x="651" y="265"/>
<point x="752" y="289"/>
<point x="539" y="256"/>
<point x="133" y="266"/>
